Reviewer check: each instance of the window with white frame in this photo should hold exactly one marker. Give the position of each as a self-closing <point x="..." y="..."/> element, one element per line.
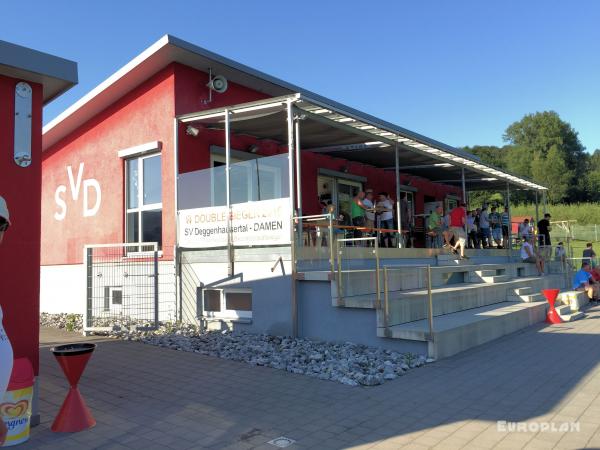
<point x="227" y="303"/>
<point x="143" y="199"/>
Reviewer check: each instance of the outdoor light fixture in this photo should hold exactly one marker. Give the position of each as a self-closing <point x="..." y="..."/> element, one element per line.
<point x="442" y="165"/>
<point x="192" y="131"/>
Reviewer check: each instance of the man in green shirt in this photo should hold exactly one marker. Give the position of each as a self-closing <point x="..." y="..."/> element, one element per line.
<point x="357" y="213"/>
<point x="434" y="228"/>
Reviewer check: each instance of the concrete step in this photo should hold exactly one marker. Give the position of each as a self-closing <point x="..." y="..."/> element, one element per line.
<point x="487" y="273"/>
<point x="451" y="260"/>
<point x="535" y="298"/>
<point x="565" y="313"/>
<point x="362" y="282"/>
<point x="572" y="317"/>
<point x="454" y="333"/>
<point x="410" y="306"/>
<point x="563" y="310"/>
<point x="523" y="290"/>
<point x="576" y="299"/>
<point x="526" y="295"/>
<point x="497" y="279"/>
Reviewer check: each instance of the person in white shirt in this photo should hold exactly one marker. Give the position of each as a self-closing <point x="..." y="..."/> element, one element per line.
<point x="529" y="255"/>
<point x="369" y="212"/>
<point x="524" y="230"/>
<point x="6" y="352"/>
<point x="385" y="207"/>
<point x="484" y="228"/>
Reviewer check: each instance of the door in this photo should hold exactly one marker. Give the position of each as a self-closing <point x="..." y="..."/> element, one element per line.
<point x="346" y="191"/>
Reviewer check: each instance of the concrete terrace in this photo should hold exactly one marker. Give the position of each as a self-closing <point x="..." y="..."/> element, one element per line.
<point x="146" y="397"/>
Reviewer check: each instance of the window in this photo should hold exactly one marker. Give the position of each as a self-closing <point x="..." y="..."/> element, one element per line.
<point x="113" y="298"/>
<point x="253" y="179"/>
<point x="143" y="199"/>
<point x="227" y="303"/>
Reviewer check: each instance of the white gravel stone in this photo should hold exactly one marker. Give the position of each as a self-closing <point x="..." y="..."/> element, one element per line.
<point x="347" y="363"/>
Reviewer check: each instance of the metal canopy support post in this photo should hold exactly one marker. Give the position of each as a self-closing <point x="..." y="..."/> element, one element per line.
<point x="298" y="179"/>
<point x="177" y="256"/>
<point x="298" y="168"/>
<point x="464" y="194"/>
<point x="230" y="257"/>
<point x="509" y="209"/>
<point x="294" y="302"/>
<point x="537" y="209"/>
<point x="545" y="201"/>
<point x="398" y="206"/>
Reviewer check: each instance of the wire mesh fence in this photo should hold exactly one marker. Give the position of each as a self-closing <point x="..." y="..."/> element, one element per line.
<point x="124" y="285"/>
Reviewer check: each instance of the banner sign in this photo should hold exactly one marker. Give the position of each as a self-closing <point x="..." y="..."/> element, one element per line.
<point x="265" y="222"/>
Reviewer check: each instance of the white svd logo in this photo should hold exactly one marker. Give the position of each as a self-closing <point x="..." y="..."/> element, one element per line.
<point x="75" y="188"/>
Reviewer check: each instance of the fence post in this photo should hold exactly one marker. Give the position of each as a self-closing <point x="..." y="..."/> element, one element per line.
<point x="386" y="304"/>
<point x="156" y="288"/>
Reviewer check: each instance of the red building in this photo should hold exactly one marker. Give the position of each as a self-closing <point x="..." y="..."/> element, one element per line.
<point x="180" y="128"/>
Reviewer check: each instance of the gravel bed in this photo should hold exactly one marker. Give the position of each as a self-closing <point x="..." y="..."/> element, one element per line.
<point x="347" y="363"/>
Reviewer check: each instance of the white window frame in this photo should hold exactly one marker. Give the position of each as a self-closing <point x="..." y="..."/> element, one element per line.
<point x="113" y="307"/>
<point x="140" y="194"/>
<point x="233" y="314"/>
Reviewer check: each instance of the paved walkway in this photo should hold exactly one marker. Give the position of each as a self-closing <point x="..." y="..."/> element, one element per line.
<point x="147" y="398"/>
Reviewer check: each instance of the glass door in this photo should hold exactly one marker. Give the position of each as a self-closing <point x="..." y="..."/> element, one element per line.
<point x="346" y="191"/>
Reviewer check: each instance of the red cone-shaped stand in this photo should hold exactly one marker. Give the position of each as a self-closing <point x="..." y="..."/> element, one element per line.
<point x="552" y="316"/>
<point x="73" y="415"/>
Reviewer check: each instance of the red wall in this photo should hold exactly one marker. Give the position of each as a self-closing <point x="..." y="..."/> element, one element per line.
<point x="141" y="116"/>
<point x="20" y="250"/>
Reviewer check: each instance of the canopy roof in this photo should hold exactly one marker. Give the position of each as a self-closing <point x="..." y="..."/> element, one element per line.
<point x="55" y="74"/>
<point x="329" y="129"/>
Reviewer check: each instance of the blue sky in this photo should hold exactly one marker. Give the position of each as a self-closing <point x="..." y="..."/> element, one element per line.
<point x="457" y="71"/>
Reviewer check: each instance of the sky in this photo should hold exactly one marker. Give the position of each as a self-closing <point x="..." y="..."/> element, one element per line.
<point x="457" y="71"/>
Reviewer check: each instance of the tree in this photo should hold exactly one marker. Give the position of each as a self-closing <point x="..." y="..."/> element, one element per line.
<point x="548" y="149"/>
<point x="551" y="170"/>
<point x="591" y="181"/>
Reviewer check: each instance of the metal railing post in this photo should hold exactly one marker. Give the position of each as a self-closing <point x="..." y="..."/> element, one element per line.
<point x="430" y="296"/>
<point x="156" y="306"/>
<point x="386" y="300"/>
<point x="331" y="249"/>
<point x="377" y="281"/>
<point x="339" y="269"/>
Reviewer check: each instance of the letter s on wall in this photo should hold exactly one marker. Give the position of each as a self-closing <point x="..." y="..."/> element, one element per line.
<point x="60" y="202"/>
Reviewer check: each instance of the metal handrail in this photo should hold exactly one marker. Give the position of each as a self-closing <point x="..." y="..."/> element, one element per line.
<point x="377" y="268"/>
<point x="386" y="298"/>
<point x="314" y="218"/>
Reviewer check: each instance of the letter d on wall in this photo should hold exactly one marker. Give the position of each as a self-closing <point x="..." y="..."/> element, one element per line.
<point x="91" y="183"/>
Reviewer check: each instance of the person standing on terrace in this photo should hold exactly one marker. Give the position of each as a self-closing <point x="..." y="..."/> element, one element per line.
<point x="496" y="226"/>
<point x="357" y="213"/>
<point x="505" y="220"/>
<point x="589" y="254"/>
<point x="369" y="212"/>
<point x="385" y="208"/>
<point x="458" y="217"/>
<point x="434" y="228"/>
<point x="544" y="231"/>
